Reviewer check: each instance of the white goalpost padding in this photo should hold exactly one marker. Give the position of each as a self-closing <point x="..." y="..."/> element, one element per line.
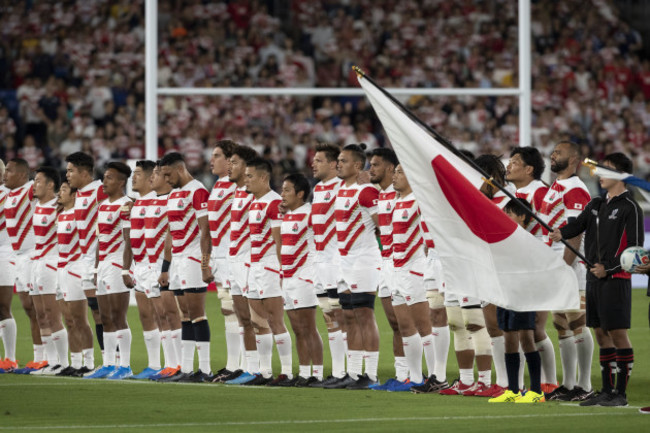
<point x="152" y="91"/>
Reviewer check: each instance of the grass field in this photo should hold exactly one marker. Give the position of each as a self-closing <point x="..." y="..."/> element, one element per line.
<point x="32" y="403"/>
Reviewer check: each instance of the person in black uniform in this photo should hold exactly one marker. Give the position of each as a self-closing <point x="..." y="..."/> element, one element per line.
<point x="611" y="225"/>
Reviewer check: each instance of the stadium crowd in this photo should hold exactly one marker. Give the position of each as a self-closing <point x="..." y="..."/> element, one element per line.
<point x="74" y="76"/>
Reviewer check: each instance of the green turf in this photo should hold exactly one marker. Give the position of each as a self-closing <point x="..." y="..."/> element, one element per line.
<point x="29" y="403"/>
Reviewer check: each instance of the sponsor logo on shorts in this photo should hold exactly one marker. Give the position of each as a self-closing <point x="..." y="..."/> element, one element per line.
<point x="295" y="302"/>
<point x="465" y="299"/>
<point x="353" y="286"/>
<point x="408" y="298"/>
<point x="183" y="282"/>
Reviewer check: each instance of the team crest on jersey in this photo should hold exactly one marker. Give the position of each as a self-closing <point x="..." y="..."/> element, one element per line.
<point x="347" y="203"/>
<point x="613" y="215"/>
<point x="220" y="194"/>
<point x="295" y="227"/>
<point x="240" y="204"/>
<point x="14" y="201"/>
<point x="388" y="207"/>
<point x="180" y="204"/>
<point x="85" y="202"/>
<point x="157" y="211"/>
<point x="68" y="228"/>
<point x="110" y="218"/>
<point x="328" y="196"/>
<point x="259" y="217"/>
<point x="405" y="215"/>
<point x="44" y="220"/>
<point x="142" y="212"/>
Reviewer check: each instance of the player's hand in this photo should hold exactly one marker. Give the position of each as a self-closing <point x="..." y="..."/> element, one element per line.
<point x="642" y="269"/>
<point x="555" y="235"/>
<point x="598" y="270"/>
<point x="206" y="275"/>
<point x="128" y="281"/>
<point x="163" y="279"/>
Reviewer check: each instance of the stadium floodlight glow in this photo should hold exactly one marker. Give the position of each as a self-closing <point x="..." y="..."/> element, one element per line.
<point x="523" y="92"/>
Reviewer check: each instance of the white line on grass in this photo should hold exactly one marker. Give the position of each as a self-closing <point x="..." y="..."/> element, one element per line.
<point x="309" y="421"/>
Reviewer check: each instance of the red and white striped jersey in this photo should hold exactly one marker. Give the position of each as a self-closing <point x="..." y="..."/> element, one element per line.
<point x="136" y="234"/>
<point x="240" y="241"/>
<point x="534" y="194"/>
<point x="111" y="219"/>
<point x="4" y="237"/>
<point x="19" y="209"/>
<point x="355" y="228"/>
<point x="219" y="204"/>
<point x="263" y="216"/>
<point x="67" y="238"/>
<point x="86" y="206"/>
<point x="184" y="208"/>
<point x="324" y="221"/>
<point x="44" y="222"/>
<point x="500" y="198"/>
<point x="385" y="206"/>
<point x="426" y="235"/>
<point x="408" y="242"/>
<point x="155" y="228"/>
<point x="297" y="241"/>
<point x="566" y="198"/>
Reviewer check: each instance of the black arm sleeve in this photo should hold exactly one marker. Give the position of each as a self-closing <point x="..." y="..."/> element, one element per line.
<point x="633" y="234"/>
<point x="578" y="225"/>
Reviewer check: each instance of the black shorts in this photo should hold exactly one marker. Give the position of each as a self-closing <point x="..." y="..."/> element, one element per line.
<point x="609" y="304"/>
<point x="510" y="320"/>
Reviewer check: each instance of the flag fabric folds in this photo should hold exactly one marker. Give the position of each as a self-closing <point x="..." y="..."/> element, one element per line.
<point x="604" y="172"/>
<point x="483" y="252"/>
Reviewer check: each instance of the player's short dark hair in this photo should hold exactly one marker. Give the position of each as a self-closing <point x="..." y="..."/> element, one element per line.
<point x="146" y="165"/>
<point x="358" y="151"/>
<point x="575" y="147"/>
<point x="171" y="159"/>
<point x="81" y="160"/>
<point x="493" y="166"/>
<point x="246" y="153"/>
<point x="532" y="157"/>
<point x="515" y="207"/>
<point x="227" y="146"/>
<point x="620" y="161"/>
<point x="21" y="164"/>
<point x="331" y="151"/>
<point x="300" y="183"/>
<point x="120" y="167"/>
<point x="388" y="155"/>
<point x="259" y="163"/>
<point x="51" y="174"/>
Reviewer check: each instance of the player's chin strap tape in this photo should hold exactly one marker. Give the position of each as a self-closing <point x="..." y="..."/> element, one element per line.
<point x="92" y="303"/>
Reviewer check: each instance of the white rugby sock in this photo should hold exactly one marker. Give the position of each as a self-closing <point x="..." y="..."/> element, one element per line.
<point x="372" y="363"/>
<point x="499" y="360"/>
<point x="317" y="372"/>
<point x="8" y="331"/>
<point x="355" y="363"/>
<point x="39" y="352"/>
<point x="413" y="351"/>
<point x="283" y="343"/>
<point x="265" y="350"/>
<point x="486" y="376"/>
<point x="466" y="376"/>
<point x="176" y="352"/>
<point x="203" y="349"/>
<point x="304" y="371"/>
<point x="430" y="355"/>
<point x="569" y="358"/>
<point x="232" y="342"/>
<point x="242" y="350"/>
<point x="337" y="349"/>
<point x="585" y="350"/>
<point x="187" y="356"/>
<point x="441" y="341"/>
<point x="152" y="343"/>
<point x="522" y="367"/>
<point x="60" y="341"/>
<point x="344" y="335"/>
<point x="89" y="358"/>
<point x="50" y="350"/>
<point x="401" y="368"/>
<point x="165" y="342"/>
<point x="252" y="362"/>
<point x="76" y="359"/>
<point x="547" y="354"/>
<point x="124" y="338"/>
<point x="110" y="347"/>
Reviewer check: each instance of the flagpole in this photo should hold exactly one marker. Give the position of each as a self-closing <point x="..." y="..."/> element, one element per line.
<point x="456" y="152"/>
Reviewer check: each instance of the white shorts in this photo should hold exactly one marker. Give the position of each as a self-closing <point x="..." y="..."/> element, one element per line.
<point x="408" y="287"/>
<point x="146" y="279"/>
<point x="327" y="276"/>
<point x="70" y="281"/>
<point x="22" y="267"/>
<point x="238" y="280"/>
<point x="88" y="274"/>
<point x="185" y="273"/>
<point x="386" y="276"/>
<point x="298" y="293"/>
<point x="220" y="271"/>
<point x="109" y="279"/>
<point x="433" y="274"/>
<point x="359" y="280"/>
<point x="44" y="277"/>
<point x="263" y="282"/>
<point x="7" y="276"/>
